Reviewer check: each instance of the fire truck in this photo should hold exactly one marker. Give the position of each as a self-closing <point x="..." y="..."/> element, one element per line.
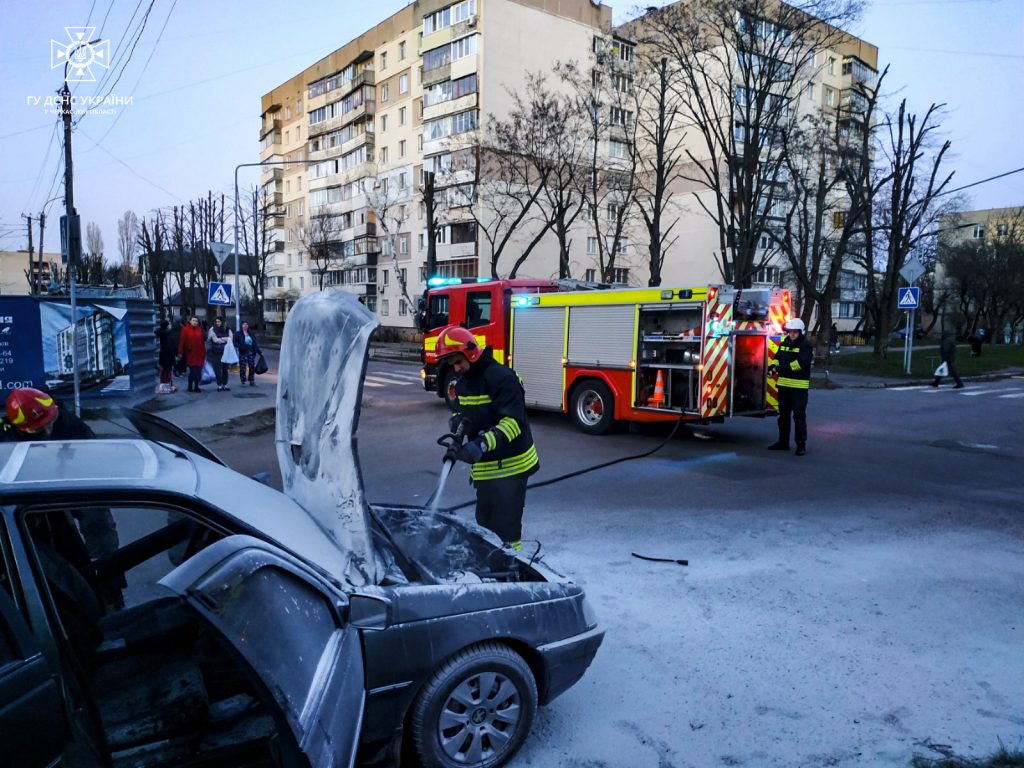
<point x="620" y="354"/>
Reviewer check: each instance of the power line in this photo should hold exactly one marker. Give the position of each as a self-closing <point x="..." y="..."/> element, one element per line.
<point x="983" y="181"/>
<point x="144" y="68"/>
<point x="130" y="169"/>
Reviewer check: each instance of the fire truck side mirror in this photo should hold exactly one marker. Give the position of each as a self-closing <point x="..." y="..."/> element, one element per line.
<point x="421" y="314"/>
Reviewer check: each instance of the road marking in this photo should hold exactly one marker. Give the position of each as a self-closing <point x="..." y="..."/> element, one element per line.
<point x="381" y="380"/>
<point x="368" y="383"/>
<point x="976" y="392"/>
<point x="1019" y="394"/>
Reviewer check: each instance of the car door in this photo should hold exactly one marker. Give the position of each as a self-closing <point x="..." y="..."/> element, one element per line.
<point x="29" y="695"/>
<point x="289" y="626"/>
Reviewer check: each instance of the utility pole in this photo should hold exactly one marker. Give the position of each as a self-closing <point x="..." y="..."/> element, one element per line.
<point x="73" y="236"/>
<point x="31" y="260"/>
<point x="39" y="273"/>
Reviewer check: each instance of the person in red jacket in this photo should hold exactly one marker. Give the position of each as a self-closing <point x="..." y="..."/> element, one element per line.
<point x="192" y="345"/>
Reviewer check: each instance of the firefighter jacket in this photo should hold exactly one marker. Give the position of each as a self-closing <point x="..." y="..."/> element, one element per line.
<point x="491" y="401"/>
<point x="794" y="362"/>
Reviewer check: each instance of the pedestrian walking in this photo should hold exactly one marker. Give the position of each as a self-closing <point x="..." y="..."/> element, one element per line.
<point x="491" y="409"/>
<point x="248" y="349"/>
<point x="833" y="338"/>
<point x="792" y="369"/>
<point x="192" y="348"/>
<point x="947" y="348"/>
<point x="217" y="338"/>
<point x="166" y="358"/>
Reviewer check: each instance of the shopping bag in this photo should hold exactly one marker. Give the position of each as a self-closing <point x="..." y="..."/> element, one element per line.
<point x="942" y="370"/>
<point x="207" y="376"/>
<point x="230" y="354"/>
<point x="261" y="364"/>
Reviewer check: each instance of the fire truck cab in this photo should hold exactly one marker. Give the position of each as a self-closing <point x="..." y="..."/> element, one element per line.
<point x="618" y="355"/>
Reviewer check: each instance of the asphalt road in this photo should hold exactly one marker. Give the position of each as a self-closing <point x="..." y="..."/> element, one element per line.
<point x="846" y="608"/>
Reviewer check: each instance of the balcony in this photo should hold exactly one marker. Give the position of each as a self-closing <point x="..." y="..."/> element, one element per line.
<point x="857" y="72"/>
<point x="269" y="126"/>
<point x="437" y="75"/>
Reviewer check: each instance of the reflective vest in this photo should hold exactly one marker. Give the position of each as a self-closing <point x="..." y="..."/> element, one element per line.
<point x="491" y="399"/>
<point x="794" y="363"/>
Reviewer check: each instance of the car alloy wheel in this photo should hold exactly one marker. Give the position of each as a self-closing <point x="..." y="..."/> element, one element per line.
<point x="476" y="709"/>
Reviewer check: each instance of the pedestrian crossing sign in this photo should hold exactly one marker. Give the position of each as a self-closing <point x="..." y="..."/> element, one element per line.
<point x="220" y="294"/>
<point x="909" y="298"/>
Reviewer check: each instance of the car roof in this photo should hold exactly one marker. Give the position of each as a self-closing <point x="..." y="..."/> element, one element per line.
<point x="69" y="465"/>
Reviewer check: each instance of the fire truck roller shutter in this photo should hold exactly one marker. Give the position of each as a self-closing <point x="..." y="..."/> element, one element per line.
<point x="602" y="336"/>
<point x="537" y="348"/>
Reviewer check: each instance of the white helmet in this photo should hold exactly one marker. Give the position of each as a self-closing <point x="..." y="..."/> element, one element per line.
<point x="796" y="324"/>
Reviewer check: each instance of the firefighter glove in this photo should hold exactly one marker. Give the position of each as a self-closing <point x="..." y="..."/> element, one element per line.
<point x="470" y="452"/>
<point x="458" y="420"/>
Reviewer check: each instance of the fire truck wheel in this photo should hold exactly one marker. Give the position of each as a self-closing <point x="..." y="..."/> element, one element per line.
<point x="593" y="407"/>
<point x="448" y="380"/>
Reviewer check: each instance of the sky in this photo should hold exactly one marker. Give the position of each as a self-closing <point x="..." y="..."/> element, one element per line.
<point x="200" y="67"/>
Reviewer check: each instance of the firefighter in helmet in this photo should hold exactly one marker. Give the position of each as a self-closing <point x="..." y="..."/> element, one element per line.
<point x="792" y="369"/>
<point x="491" y="409"/>
<point x="35" y="415"/>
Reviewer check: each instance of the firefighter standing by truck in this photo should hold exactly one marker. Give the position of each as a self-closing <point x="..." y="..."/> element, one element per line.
<point x="491" y="409"/>
<point x="792" y="367"/>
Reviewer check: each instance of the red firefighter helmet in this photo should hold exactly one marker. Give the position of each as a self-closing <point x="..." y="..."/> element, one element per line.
<point x="29" y="410"/>
<point x="456" y="339"/>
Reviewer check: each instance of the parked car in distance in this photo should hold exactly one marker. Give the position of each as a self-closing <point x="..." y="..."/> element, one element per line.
<point x="900" y="334"/>
<point x="223" y="623"/>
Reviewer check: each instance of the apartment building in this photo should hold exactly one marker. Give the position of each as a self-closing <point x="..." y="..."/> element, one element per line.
<point x="360" y="128"/>
<point x="360" y="131"/>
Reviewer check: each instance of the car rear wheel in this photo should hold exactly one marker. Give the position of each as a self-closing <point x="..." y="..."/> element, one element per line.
<point x="475" y="710"/>
<point x="593" y="407"/>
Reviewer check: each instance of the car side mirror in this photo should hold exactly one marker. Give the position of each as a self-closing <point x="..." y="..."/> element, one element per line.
<point x="369" y="611"/>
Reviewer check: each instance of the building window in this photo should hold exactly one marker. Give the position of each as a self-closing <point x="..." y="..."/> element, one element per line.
<point x="383" y="61"/>
<point x="384" y="307"/>
<point x="623" y="50"/>
<point x="401" y="115"/>
<point x="385" y="91"/>
<point x="621" y="116"/>
<point x="591" y="246"/>
<point x="1002" y="230"/>
<point x="590" y="275"/>
<point x="831" y="65"/>
<point x="838" y="219"/>
<point x="618" y="149"/>
<point x="401" y="148"/>
<point x="384" y="279"/>
<point x="383" y="154"/>
<point x="403" y="180"/>
<point x="830" y="97"/>
<point x="401" y="51"/>
<point x="302" y="283"/>
<point x="383" y="123"/>
<point x="403" y="83"/>
<point x="978" y="232"/>
<point x="403" y="308"/>
<point x="614" y="210"/>
<point x="768" y="276"/>
<point x="621" y="275"/>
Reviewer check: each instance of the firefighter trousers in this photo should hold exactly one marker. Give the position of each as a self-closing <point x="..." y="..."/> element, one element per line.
<point x="792" y="405"/>
<point x="500" y="503"/>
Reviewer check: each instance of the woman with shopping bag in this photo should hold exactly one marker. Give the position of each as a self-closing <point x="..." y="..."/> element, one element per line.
<point x="948" y="366"/>
<point x="192" y="347"/>
<point x="248" y="350"/>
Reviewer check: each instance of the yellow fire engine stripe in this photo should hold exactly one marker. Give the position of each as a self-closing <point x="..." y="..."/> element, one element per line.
<point x="430" y="343"/>
<point x="616" y="296"/>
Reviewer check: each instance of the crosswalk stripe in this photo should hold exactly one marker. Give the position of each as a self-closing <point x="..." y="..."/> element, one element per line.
<point x="393" y="375"/>
<point x="382" y="380"/>
<point x="976" y="392"/>
<point x="368" y="383"/>
<point x="1015" y="396"/>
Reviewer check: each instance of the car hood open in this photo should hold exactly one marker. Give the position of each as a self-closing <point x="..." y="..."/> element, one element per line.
<point x="320" y="383"/>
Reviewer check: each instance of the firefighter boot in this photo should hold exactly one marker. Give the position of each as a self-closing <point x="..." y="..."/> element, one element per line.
<point x="801" y="449"/>
<point x="778" y="447"/>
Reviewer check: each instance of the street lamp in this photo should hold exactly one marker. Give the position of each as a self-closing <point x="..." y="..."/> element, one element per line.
<point x="238" y="296"/>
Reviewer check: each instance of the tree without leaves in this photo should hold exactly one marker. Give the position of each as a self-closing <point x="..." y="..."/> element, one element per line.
<point x="127" y="243"/>
<point x="739" y="67"/>
<point x="319" y="236"/>
<point x="830" y="185"/>
<point x="390" y="203"/>
<point x="256" y="242"/>
<point x="151" y="241"/>
<point x="905" y="208"/>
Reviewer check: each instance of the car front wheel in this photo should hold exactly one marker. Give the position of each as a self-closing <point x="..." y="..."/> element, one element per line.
<point x="475" y="710"/>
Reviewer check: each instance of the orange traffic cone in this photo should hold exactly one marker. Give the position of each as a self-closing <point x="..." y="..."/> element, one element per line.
<point x="658" y="398"/>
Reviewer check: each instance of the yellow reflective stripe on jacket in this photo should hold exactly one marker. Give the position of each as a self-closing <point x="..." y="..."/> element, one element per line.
<point x="509" y="428"/>
<point x="492" y="470"/>
<point x="490" y="440"/>
<point x="794" y="383"/>
<point x="474" y="399"/>
<point x="794" y="365"/>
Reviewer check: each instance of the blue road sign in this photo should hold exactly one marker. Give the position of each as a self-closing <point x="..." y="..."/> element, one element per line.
<point x="909" y="298"/>
<point x="220" y="294"/>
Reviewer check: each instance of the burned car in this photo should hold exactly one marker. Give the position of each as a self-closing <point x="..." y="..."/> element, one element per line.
<point x="226" y="624"/>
